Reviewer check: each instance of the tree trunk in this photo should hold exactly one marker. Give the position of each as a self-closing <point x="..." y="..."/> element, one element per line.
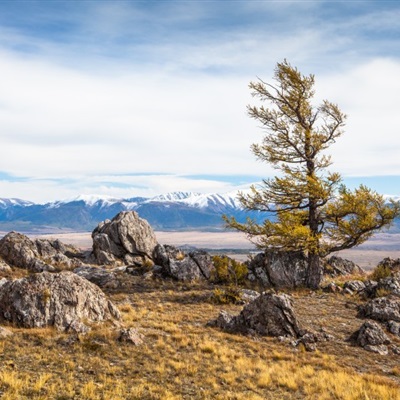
<point x="314" y="272"/>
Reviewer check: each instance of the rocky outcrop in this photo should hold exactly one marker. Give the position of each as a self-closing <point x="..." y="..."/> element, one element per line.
<point x="64" y="300"/>
<point x="279" y="269"/>
<point x="268" y="315"/>
<point x="174" y="263"/>
<point x="126" y="239"/>
<point x="37" y="255"/>
<point x="371" y="337"/>
<point x="381" y="309"/>
<point x="336" y="266"/>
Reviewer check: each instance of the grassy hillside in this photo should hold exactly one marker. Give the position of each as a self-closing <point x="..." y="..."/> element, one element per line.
<point x="181" y="358"/>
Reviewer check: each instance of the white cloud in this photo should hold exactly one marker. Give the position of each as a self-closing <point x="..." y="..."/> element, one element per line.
<point x="125" y="92"/>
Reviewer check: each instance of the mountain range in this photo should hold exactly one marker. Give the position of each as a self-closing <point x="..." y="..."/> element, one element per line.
<point x="171" y="211"/>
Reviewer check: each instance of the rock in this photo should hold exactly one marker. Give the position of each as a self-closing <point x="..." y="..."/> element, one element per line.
<point x="310" y="339"/>
<point x="370" y="289"/>
<point x="131" y="335"/>
<point x="336" y="266"/>
<point x="224" y="321"/>
<point x="331" y="287"/>
<point x="371" y="337"/>
<point x="174" y="263"/>
<point x="64" y="300"/>
<point x="381" y="309"/>
<point x="268" y="315"/>
<point x="4" y="332"/>
<point x="388" y="286"/>
<point x="394" y="327"/>
<point x="37" y="255"/>
<point x="354" y="286"/>
<point x="99" y="276"/>
<point x="4" y="267"/>
<point x="279" y="269"/>
<point x="392" y="264"/>
<point x="248" y="295"/>
<point x="125" y="239"/>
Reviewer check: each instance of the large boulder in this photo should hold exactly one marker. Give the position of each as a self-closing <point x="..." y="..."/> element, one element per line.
<point x="268" y="315"/>
<point x="279" y="269"/>
<point x="64" y="300"/>
<point x="125" y="239"/>
<point x="174" y="263"/>
<point x="336" y="266"/>
<point x="37" y="255"/>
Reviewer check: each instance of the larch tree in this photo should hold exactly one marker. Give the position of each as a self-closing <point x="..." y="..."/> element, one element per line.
<point x="313" y="211"/>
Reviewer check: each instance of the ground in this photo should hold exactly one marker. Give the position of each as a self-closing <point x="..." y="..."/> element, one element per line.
<point x="182" y="358"/>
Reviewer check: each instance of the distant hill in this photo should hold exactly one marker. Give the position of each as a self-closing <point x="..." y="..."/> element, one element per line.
<point x="171" y="211"/>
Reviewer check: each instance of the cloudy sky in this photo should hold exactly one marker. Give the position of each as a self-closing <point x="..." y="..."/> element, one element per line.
<point x="127" y="98"/>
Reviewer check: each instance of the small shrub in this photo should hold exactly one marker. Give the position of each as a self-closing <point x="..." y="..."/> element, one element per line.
<point x="228" y="270"/>
<point x="229" y="295"/>
<point x="380" y="272"/>
<point x="382" y="292"/>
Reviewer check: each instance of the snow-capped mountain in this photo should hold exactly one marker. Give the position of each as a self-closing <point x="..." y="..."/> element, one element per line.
<point x="171" y="211"/>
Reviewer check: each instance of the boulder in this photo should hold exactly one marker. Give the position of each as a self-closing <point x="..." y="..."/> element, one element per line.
<point x="336" y="266"/>
<point x="125" y="239"/>
<point x="99" y="276"/>
<point x="37" y="255"/>
<point x="371" y="337"/>
<point x="279" y="269"/>
<point x="381" y="309"/>
<point x="64" y="300"/>
<point x="174" y="263"/>
<point x="268" y="315"/>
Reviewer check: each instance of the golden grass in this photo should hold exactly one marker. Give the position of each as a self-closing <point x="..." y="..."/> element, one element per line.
<point x="181" y="358"/>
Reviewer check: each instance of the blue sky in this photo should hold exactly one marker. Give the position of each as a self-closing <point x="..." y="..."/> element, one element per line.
<point x="129" y="98"/>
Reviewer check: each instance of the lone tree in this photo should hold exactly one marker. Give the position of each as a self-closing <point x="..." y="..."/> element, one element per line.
<point x="314" y="212"/>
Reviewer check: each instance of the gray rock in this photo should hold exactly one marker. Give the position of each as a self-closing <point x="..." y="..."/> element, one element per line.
<point x="394" y="327"/>
<point x="37" y="255"/>
<point x="331" y="287"/>
<point x="336" y="266"/>
<point x="279" y="269"/>
<point x="64" y="300"/>
<point x="268" y="315"/>
<point x="371" y="337"/>
<point x="124" y="238"/>
<point x="381" y="309"/>
<point x="99" y="276"/>
<point x="174" y="263"/>
<point x="388" y="286"/>
<point x="131" y="335"/>
<point x="354" y="286"/>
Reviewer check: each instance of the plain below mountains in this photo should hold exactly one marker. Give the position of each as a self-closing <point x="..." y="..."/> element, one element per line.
<point x="172" y="211"/>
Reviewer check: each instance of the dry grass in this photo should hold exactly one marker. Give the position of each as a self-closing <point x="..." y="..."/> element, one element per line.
<point x="183" y="359"/>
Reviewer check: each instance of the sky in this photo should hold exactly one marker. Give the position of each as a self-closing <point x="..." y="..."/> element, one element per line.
<point x="139" y="98"/>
